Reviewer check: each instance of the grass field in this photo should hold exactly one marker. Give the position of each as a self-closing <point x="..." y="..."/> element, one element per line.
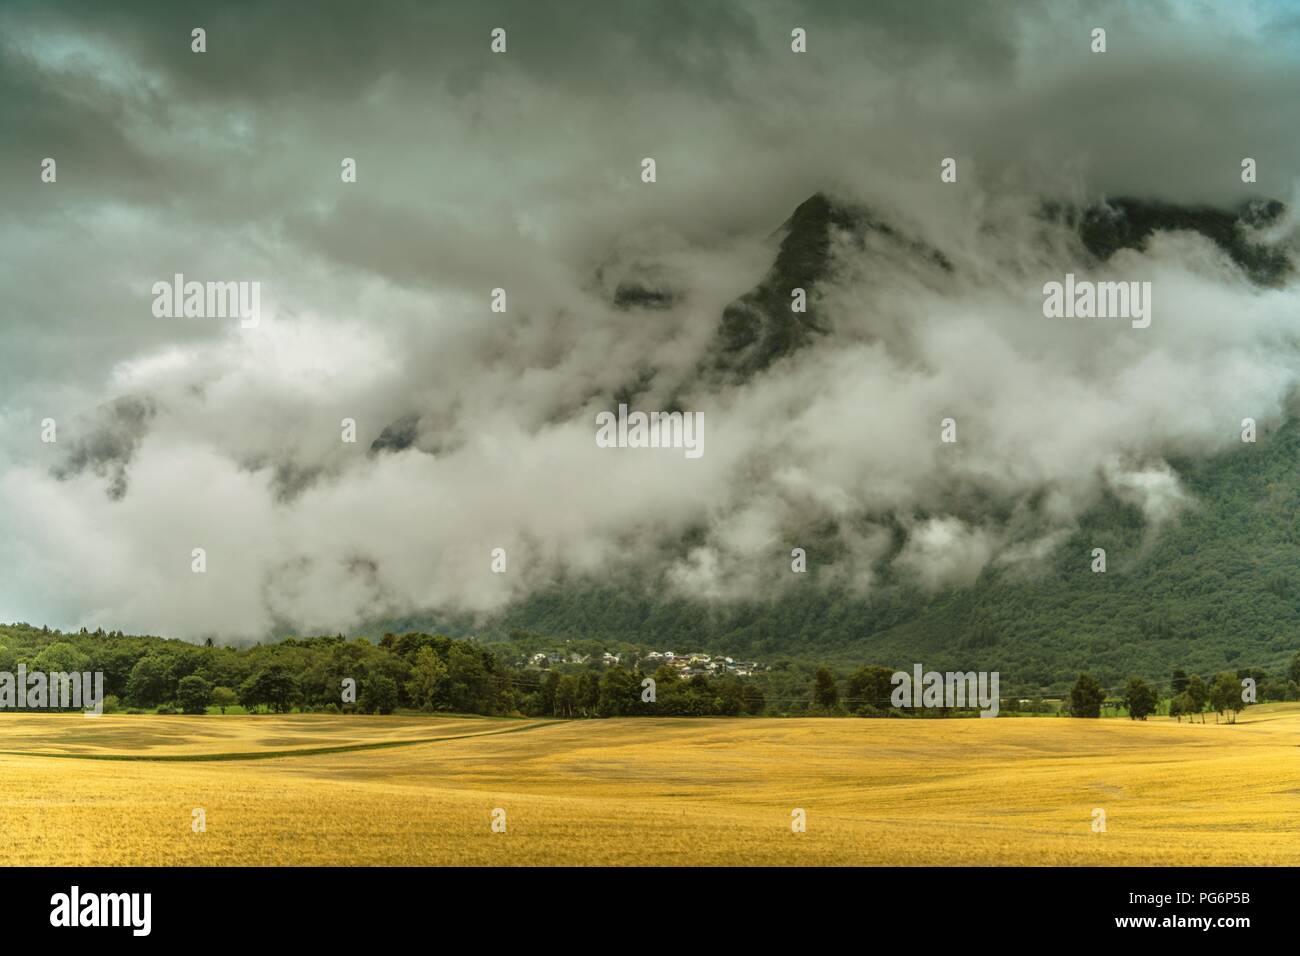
<point x="409" y="790"/>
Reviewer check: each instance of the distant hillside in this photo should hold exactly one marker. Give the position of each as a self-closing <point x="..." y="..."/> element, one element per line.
<point x="1218" y="589"/>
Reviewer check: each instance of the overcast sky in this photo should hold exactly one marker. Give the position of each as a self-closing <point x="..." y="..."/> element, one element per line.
<point x="521" y="170"/>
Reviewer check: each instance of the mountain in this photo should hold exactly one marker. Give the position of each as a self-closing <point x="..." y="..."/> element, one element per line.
<point x="1128" y="223"/>
<point x="1217" y="588"/>
<point x="760" y="327"/>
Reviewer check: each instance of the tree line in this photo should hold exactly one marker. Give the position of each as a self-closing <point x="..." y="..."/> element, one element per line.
<point x="416" y="671"/>
<point x="433" y="672"/>
<point x="1225" y="694"/>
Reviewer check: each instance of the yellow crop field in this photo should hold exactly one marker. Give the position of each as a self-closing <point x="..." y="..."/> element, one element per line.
<point x="407" y="790"/>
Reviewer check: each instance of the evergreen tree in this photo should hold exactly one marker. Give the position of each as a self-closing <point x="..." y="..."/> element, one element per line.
<point x="1086" y="697"/>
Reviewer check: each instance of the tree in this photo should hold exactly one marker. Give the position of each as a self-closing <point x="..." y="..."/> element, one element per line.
<point x="1274" y="688"/>
<point x="428" y="675"/>
<point x="224" y="697"/>
<point x="272" y="686"/>
<point x="755" y="702"/>
<point x="729" y="697"/>
<point x="1140" y="699"/>
<point x="181" y="665"/>
<point x="147" y="684"/>
<point x="113" y="662"/>
<point x="620" y="693"/>
<point x="825" y="695"/>
<point x="1225" y="696"/>
<point x="193" y="694"/>
<point x="1177" y="706"/>
<point x="1198" y="695"/>
<point x="546" y="693"/>
<point x="1086" y="697"/>
<point x="468" y="687"/>
<point x="868" y="689"/>
<point x="566" y="696"/>
<point x="410" y="645"/>
<point x="1293" y="671"/>
<point x="666" y="676"/>
<point x="1179" y="681"/>
<point x="379" y="695"/>
<point x="588" y="693"/>
<point x="62" y="658"/>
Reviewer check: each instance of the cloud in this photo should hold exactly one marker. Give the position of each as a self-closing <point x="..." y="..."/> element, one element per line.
<point x="109" y="442"/>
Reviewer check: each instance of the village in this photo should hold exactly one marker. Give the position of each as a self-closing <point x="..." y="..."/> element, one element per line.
<point x="697" y="664"/>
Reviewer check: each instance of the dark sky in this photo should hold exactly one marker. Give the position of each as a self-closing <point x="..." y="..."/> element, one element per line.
<point x="521" y="170"/>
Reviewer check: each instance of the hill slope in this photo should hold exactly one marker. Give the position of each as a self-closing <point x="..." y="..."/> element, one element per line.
<point x="1217" y="588"/>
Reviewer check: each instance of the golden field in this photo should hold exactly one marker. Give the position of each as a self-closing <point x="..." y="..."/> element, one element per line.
<point x="641" y="791"/>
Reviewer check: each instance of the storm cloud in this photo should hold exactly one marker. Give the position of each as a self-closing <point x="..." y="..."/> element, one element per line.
<point x="521" y="171"/>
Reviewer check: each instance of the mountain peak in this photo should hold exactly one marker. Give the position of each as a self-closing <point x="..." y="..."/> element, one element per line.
<point x="1127" y="223"/>
<point x="762" y="326"/>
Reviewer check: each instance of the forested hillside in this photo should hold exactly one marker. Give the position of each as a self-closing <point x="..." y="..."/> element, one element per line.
<point x="1218" y="588"/>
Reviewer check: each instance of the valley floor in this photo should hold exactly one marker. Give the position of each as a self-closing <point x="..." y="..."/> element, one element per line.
<point x="411" y="791"/>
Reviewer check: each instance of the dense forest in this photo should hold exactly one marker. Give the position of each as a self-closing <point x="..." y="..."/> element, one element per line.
<point x="435" y="673"/>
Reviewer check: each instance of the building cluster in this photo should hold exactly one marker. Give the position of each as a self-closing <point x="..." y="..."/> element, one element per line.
<point x="692" y="665"/>
<point x="553" y="658"/>
<point x="687" y="665"/>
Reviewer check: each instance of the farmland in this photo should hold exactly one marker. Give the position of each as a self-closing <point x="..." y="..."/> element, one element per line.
<point x="357" y="790"/>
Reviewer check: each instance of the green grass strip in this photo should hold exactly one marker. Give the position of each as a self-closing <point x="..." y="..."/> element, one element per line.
<point x="270" y="754"/>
